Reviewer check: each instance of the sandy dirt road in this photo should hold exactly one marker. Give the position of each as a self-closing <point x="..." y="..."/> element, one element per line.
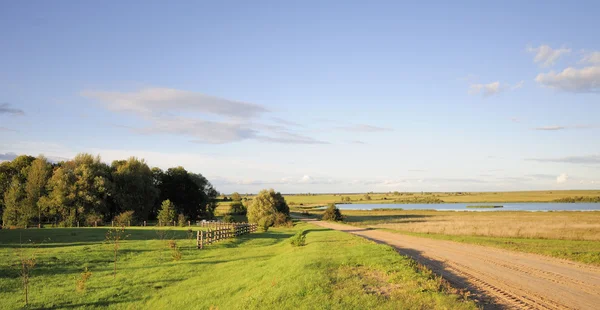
<point x="503" y="279"/>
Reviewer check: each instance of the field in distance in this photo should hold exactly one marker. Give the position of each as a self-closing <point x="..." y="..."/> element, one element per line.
<point x="443" y="197"/>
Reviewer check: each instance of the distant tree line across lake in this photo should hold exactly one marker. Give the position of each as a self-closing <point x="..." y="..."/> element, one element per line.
<point x="85" y="190"/>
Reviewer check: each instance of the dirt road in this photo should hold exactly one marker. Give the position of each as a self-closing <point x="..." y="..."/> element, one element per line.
<point x="507" y="280"/>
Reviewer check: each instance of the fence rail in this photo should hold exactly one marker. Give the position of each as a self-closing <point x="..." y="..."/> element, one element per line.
<point x="220" y="231"/>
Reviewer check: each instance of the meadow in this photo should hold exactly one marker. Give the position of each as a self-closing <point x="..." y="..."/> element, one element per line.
<point x="334" y="270"/>
<point x="569" y="235"/>
<point x="447" y="197"/>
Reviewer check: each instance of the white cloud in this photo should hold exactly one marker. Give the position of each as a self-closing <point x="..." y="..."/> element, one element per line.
<point x="518" y="85"/>
<point x="149" y="101"/>
<point x="572" y="79"/>
<point x="591" y="58"/>
<point x="562" y="178"/>
<point x="586" y="159"/>
<point x="364" y="128"/>
<point x="546" y="56"/>
<point x="485" y="89"/>
<point x="550" y="128"/>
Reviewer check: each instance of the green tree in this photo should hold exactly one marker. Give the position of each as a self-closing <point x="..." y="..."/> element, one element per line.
<point x="237" y="207"/>
<point x="13" y="205"/>
<point x="134" y="187"/>
<point x="192" y="193"/>
<point x="236" y="196"/>
<point x="18" y="168"/>
<point x="167" y="213"/>
<point x="265" y="207"/>
<point x="35" y="188"/>
<point x="332" y="213"/>
<point x="79" y="187"/>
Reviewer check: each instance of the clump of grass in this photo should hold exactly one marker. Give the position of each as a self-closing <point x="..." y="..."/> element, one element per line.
<point x="484" y="207"/>
<point x="299" y="239"/>
<point x="80" y="285"/>
<point x="577" y="199"/>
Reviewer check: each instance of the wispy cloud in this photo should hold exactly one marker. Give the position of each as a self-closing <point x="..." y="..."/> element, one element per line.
<point x="7" y="156"/>
<point x="591" y="57"/>
<point x="546" y="56"/>
<point x="485" y="89"/>
<point x="7" y="129"/>
<point x="550" y="128"/>
<point x="357" y="142"/>
<point x="149" y="101"/>
<point x="201" y="118"/>
<point x="556" y="128"/>
<point x="584" y="80"/>
<point x="5" y="108"/>
<point x="491" y="89"/>
<point x="586" y="159"/>
<point x="364" y="128"/>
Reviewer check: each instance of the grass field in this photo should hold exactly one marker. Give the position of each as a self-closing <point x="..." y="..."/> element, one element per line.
<point x="570" y="235"/>
<point x="465" y="197"/>
<point x="334" y="270"/>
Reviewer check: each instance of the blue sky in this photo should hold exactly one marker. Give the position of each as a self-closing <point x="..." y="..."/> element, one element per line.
<point x="310" y="96"/>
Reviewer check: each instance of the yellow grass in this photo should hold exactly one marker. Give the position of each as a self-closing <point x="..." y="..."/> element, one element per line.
<point x="539" y="225"/>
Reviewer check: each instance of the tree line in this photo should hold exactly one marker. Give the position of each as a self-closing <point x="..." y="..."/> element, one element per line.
<point x="87" y="190"/>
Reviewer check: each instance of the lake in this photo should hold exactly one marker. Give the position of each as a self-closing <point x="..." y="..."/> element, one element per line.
<point x="524" y="206"/>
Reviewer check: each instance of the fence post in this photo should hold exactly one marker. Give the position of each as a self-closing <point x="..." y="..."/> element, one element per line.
<point x="144" y="223"/>
<point x="189" y="223"/>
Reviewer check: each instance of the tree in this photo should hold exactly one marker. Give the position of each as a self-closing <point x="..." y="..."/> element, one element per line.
<point x="332" y="213"/>
<point x="237" y="207"/>
<point x="35" y="188"/>
<point x="167" y="212"/>
<point x="134" y="187"/>
<point x="192" y="193"/>
<point x="236" y="196"/>
<point x="17" y="168"/>
<point x="13" y="205"/>
<point x="265" y="207"/>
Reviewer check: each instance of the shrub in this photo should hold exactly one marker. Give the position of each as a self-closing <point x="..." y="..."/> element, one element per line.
<point x="93" y="218"/>
<point x="332" y="213"/>
<point x="265" y="208"/>
<point x="80" y="285"/>
<point x="299" y="239"/>
<point x="238" y="207"/>
<point x="166" y="214"/>
<point x="124" y="219"/>
<point x="181" y="220"/>
<point x="236" y="197"/>
<point x="228" y="219"/>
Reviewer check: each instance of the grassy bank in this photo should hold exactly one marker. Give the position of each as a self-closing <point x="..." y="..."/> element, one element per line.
<point x="570" y="235"/>
<point x="260" y="271"/>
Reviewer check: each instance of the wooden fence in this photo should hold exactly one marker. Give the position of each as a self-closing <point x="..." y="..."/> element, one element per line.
<point x="220" y="231"/>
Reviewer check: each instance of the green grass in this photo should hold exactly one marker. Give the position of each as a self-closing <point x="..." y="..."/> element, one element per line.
<point x="334" y="270"/>
<point x="587" y="252"/>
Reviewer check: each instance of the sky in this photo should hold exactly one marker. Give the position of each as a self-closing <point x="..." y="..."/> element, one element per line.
<point x="311" y="96"/>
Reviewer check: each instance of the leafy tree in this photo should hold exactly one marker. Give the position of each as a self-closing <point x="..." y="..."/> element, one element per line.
<point x="332" y="213"/>
<point x="238" y="207"/>
<point x="13" y="205"/>
<point x="17" y="168"/>
<point x="35" y="188"/>
<point x="265" y="206"/>
<point x="167" y="212"/>
<point x="134" y="187"/>
<point x="193" y="195"/>
<point x="124" y="219"/>
<point x="236" y="196"/>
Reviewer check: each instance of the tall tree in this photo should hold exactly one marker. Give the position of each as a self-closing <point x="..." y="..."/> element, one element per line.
<point x="35" y="188"/>
<point x="13" y="205"/>
<point x="8" y="170"/>
<point x="134" y="187"/>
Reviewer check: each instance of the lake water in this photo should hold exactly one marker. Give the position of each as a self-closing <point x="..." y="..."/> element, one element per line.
<point x="525" y="206"/>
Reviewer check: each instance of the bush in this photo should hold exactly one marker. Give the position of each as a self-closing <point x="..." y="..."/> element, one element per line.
<point x="267" y="208"/>
<point x="299" y="239"/>
<point x="124" y="219"/>
<point x="332" y="213"/>
<point x="181" y="220"/>
<point x="228" y="219"/>
<point x="236" y="197"/>
<point x="238" y="208"/>
<point x="92" y="218"/>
